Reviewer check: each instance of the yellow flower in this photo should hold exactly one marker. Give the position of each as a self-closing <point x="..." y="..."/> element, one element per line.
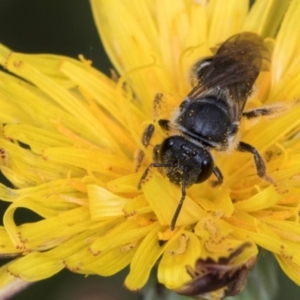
<point x="69" y="135"/>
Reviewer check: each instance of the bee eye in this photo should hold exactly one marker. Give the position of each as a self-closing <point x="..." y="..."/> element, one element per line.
<point x="168" y="147"/>
<point x="167" y="144"/>
<point x="207" y="166"/>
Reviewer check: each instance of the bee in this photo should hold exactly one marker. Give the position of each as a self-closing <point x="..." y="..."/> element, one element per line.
<point x="209" y="116"/>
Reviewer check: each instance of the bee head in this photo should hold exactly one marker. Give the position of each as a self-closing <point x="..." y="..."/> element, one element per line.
<point x="185" y="160"/>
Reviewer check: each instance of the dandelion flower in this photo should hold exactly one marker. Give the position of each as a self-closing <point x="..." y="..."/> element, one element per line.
<point x="69" y="137"/>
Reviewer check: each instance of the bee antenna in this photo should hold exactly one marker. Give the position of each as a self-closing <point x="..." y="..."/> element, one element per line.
<point x="180" y="203"/>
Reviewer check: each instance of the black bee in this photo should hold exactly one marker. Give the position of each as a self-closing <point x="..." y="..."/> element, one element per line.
<point x="209" y="117"/>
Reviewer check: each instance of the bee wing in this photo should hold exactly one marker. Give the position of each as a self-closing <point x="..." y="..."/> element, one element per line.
<point x="234" y="67"/>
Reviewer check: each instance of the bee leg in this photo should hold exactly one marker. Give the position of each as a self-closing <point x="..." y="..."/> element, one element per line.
<point x="179" y="206"/>
<point x="164" y="124"/>
<point x="259" y="162"/>
<point x="259" y="112"/>
<point x="157" y="104"/>
<point x="219" y="176"/>
<point x="146" y="137"/>
<point x="152" y="165"/>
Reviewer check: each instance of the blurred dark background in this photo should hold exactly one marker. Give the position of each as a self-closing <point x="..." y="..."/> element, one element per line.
<point x="66" y="27"/>
<point x="63" y="27"/>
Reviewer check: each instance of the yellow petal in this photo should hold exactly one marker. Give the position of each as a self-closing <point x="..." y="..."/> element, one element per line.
<point x="104" y="204"/>
<point x="164" y="198"/>
<point x="265" y="199"/>
<point x="121" y="235"/>
<point x="171" y="270"/>
<point x="289" y="267"/>
<point x="34" y="266"/>
<point x="287" y="44"/>
<point x="265" y="16"/>
<point x="225" y="19"/>
<point x="146" y="256"/>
